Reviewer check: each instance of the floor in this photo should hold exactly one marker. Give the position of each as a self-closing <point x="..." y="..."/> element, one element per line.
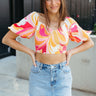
<point x="10" y="85"/>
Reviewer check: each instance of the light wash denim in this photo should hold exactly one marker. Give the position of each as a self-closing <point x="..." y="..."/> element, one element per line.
<point x="50" y="80"/>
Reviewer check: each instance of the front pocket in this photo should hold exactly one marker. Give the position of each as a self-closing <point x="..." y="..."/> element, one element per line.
<point x="66" y="69"/>
<point x="35" y="69"/>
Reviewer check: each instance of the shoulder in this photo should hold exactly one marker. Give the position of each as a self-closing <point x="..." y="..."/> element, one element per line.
<point x="70" y="20"/>
<point x="38" y="15"/>
<point x="41" y="15"/>
<point x="34" y="13"/>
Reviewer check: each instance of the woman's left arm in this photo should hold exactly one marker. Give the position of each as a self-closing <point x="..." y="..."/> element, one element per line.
<point x="78" y="34"/>
<point x="82" y="47"/>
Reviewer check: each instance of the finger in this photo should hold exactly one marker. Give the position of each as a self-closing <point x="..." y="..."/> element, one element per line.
<point x="67" y="60"/>
<point x="66" y="64"/>
<point x="35" y="64"/>
<point x="33" y="59"/>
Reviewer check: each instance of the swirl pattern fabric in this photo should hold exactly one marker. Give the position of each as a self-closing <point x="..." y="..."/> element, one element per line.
<point x="53" y="42"/>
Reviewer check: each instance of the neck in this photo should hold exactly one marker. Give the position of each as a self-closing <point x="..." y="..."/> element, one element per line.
<point x="53" y="17"/>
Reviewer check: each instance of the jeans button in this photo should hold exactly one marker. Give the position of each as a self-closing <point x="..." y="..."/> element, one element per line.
<point x="52" y="66"/>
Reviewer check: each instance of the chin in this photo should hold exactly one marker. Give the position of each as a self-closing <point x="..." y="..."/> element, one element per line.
<point x="54" y="11"/>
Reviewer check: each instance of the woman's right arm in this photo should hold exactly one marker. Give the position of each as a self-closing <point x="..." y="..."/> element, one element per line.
<point x="10" y="40"/>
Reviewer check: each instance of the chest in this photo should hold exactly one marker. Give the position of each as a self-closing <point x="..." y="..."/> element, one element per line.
<point x="58" y="36"/>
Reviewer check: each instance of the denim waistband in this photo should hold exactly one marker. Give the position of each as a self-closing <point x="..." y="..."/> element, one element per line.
<point x="58" y="65"/>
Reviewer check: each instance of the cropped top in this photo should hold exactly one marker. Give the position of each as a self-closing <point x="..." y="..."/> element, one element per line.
<point x="54" y="42"/>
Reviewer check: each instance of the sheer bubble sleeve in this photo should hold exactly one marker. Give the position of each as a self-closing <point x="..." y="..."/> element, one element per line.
<point x="25" y="28"/>
<point x="76" y="33"/>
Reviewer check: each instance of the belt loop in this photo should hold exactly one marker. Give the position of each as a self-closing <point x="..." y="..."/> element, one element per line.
<point x="41" y="66"/>
<point x="60" y="66"/>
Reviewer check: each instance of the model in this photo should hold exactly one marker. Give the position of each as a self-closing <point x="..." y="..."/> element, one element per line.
<point x="50" y="74"/>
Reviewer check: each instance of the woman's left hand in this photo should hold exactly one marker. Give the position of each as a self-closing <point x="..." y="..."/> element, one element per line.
<point x="68" y="56"/>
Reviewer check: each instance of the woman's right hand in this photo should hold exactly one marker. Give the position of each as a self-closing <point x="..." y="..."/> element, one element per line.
<point x="68" y="56"/>
<point x="10" y="40"/>
<point x="33" y="53"/>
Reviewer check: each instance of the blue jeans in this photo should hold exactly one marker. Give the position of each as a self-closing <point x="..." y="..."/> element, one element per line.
<point x="50" y="80"/>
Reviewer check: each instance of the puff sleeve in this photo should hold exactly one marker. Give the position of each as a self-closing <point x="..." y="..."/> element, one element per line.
<point x="76" y="33"/>
<point x="25" y="28"/>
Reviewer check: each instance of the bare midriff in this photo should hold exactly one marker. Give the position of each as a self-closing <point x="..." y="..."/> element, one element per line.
<point x="50" y="58"/>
